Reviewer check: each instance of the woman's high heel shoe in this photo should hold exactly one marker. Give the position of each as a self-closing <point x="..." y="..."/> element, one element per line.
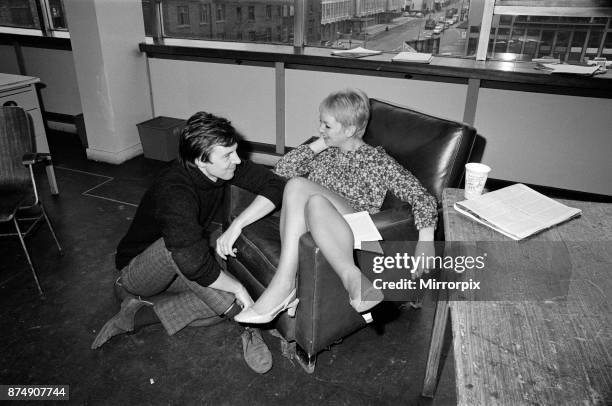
<point x="251" y="316"/>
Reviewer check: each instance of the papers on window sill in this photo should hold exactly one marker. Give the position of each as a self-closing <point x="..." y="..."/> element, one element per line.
<point x="571" y="69"/>
<point x="516" y="211"/>
<point x="358" y="52"/>
<point x="415" y="57"/>
<point x="363" y="228"/>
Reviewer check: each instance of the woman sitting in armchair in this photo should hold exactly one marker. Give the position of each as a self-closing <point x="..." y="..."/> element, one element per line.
<point x="345" y="175"/>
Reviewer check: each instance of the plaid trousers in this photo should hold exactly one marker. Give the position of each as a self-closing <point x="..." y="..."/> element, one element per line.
<point x="177" y="301"/>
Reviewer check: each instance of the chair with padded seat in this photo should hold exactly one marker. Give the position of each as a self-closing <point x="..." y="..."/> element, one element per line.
<point x="434" y="149"/>
<point x="20" y="205"/>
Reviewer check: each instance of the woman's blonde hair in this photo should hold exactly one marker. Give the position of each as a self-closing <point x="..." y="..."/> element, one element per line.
<point x="348" y="107"/>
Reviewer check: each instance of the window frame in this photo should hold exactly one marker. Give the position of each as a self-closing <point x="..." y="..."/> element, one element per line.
<point x="46" y="27"/>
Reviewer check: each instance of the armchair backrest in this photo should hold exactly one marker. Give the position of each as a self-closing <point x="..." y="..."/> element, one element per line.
<point x="435" y="150"/>
<point x="16" y="139"/>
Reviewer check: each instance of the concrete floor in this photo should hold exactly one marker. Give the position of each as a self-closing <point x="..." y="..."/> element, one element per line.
<point x="47" y="341"/>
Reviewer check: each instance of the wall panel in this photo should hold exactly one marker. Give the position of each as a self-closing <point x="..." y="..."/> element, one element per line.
<point x="306" y="89"/>
<point x="243" y="94"/>
<point x="551" y="140"/>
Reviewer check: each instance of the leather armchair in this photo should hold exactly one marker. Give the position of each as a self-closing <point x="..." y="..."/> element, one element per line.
<point x="435" y="150"/>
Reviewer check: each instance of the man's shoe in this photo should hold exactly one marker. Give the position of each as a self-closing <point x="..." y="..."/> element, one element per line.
<point x="256" y="352"/>
<point x="120" y="323"/>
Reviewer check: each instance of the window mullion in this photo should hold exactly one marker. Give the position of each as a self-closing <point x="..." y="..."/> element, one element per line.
<point x="485" y="30"/>
<point x="299" y="22"/>
<point x="42" y="8"/>
<point x="157" y="23"/>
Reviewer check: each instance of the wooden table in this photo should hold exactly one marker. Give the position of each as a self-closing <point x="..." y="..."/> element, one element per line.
<point x="556" y="351"/>
<point x="17" y="90"/>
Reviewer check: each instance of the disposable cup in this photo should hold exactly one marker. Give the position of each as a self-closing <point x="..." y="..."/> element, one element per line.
<point x="475" y="178"/>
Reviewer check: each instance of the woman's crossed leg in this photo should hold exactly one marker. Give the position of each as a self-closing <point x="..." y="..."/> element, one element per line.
<point x="308" y="206"/>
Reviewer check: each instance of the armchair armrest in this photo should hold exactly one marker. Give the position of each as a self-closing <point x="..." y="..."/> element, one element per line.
<point x="396" y="224"/>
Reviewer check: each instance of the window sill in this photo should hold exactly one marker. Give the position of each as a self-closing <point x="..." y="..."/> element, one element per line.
<point x="492" y="74"/>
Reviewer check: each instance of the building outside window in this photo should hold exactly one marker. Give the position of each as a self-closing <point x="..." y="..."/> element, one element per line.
<point x="182" y="15"/>
<point x="251" y="13"/>
<point x="252" y="36"/>
<point x="239" y="14"/>
<point x="536" y="32"/>
<point x="204" y="13"/>
<point x="268" y="11"/>
<point x="56" y="9"/>
<point x="220" y="12"/>
<point x="19" y="13"/>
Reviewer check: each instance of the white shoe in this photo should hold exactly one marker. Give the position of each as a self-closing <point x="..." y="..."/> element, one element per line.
<point x="251" y="316"/>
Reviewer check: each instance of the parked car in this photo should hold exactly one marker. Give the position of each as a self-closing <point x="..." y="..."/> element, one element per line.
<point x="430" y="24"/>
<point x="420" y="15"/>
<point x="438" y="30"/>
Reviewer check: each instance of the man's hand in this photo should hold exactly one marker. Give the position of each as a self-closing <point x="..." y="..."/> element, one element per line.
<point x="243" y="297"/>
<point x="318" y="145"/>
<point x="225" y="243"/>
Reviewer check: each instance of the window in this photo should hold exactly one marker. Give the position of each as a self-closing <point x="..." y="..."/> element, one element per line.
<point x="204" y="13"/>
<point x="220" y="12"/>
<point x="19" y="13"/>
<point x="251" y="13"/>
<point x="56" y="8"/>
<point x="182" y="15"/>
<point x="451" y="28"/>
<point x="543" y="32"/>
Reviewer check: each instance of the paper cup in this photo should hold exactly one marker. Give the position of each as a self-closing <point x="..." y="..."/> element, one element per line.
<point x="475" y="178"/>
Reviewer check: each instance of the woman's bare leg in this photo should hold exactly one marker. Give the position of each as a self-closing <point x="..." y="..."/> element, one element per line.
<point x="292" y="225"/>
<point x="335" y="239"/>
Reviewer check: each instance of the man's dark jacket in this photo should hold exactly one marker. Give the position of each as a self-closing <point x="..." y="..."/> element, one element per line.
<point x="179" y="207"/>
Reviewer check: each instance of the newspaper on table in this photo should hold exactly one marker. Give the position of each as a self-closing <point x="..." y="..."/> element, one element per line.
<point x="358" y="52"/>
<point x="516" y="211"/>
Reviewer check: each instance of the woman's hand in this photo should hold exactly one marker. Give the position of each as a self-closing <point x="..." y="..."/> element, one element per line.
<point x="318" y="145"/>
<point x="425" y="248"/>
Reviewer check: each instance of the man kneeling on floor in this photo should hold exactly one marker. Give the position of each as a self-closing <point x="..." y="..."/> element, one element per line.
<point x="168" y="272"/>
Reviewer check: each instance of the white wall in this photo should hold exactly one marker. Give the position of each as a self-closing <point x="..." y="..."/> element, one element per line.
<point x="242" y="94"/>
<point x="55" y="68"/>
<point x="544" y="139"/>
<point x="306" y="89"/>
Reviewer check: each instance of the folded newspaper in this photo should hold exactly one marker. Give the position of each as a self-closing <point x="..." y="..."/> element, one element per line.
<point x="516" y="211"/>
<point x="363" y="229"/>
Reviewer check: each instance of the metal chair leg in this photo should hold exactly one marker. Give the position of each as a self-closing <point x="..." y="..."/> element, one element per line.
<point x="51" y="228"/>
<point x="25" y="249"/>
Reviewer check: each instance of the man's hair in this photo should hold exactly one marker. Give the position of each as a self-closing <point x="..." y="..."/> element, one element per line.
<point x="348" y="107"/>
<point x="202" y="132"/>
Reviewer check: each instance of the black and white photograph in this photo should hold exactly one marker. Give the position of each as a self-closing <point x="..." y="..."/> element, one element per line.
<point x="306" y="202"/>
